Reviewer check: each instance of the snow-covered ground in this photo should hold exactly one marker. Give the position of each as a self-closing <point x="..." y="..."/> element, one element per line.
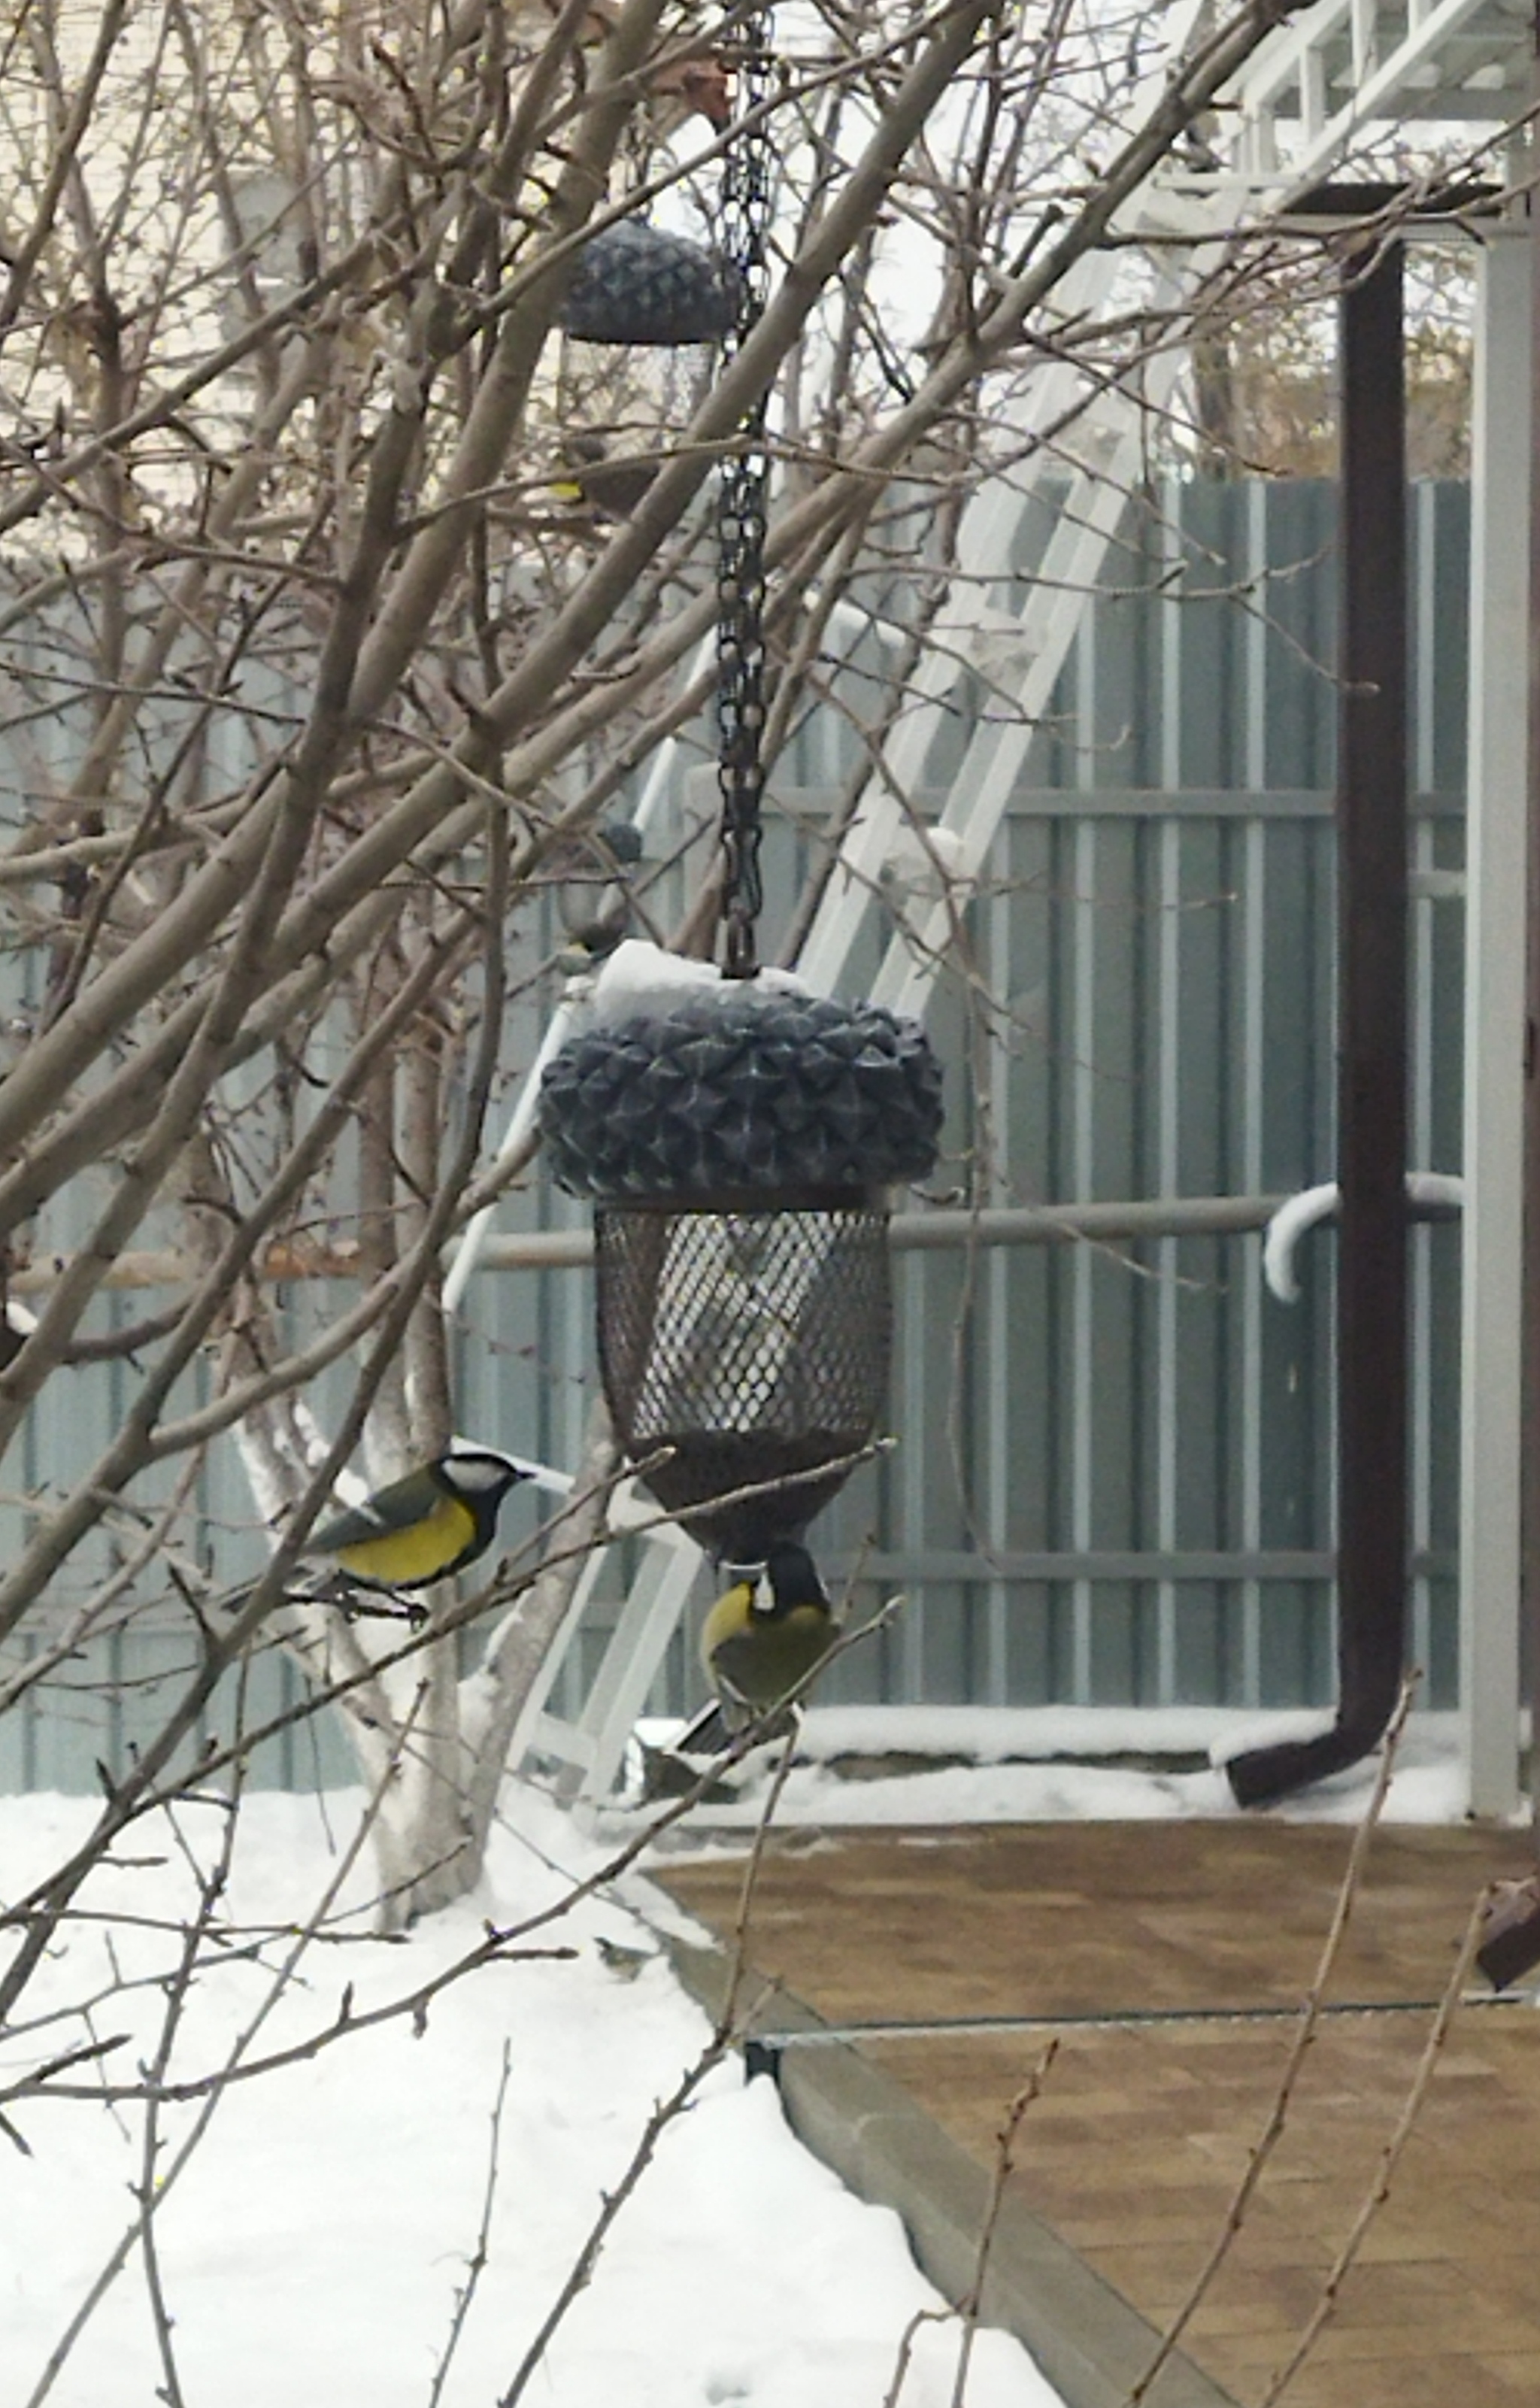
<point x="312" y="2251"/>
<point x="1053" y="1764"/>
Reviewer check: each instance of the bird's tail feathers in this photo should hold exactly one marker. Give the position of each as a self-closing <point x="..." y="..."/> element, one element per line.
<point x="712" y="1734"/>
<point x="707" y="1734"/>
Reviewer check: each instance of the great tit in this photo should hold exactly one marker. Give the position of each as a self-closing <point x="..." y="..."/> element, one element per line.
<point x="675" y="90"/>
<point x="421" y="1529"/>
<point x="759" y="1639"/>
<point x="595" y="872"/>
<point x="610" y="488"/>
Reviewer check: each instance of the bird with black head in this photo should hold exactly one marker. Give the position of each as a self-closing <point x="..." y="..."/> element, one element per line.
<point x="432" y="1523"/>
<point x="771" y="1627"/>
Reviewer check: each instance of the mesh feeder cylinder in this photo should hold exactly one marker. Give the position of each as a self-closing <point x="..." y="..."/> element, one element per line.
<point x="738" y="1149"/>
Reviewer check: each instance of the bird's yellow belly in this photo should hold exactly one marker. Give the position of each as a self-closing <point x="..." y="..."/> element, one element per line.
<point x="760" y="1663"/>
<point x="419" y="1554"/>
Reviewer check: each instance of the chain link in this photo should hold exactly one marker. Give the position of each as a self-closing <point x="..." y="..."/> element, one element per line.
<point x="747" y="199"/>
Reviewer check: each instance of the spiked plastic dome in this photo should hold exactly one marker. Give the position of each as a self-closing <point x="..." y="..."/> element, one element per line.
<point x="743" y="1092"/>
<point x="635" y="284"/>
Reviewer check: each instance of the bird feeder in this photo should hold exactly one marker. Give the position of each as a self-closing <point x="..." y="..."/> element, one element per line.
<point x="737" y="1136"/>
<point x="739" y="1148"/>
<point x="635" y="284"/>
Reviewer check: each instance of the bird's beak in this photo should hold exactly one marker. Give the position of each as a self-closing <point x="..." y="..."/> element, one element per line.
<point x="541" y="1475"/>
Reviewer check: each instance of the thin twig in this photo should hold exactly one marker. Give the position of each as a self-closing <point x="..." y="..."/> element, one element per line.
<point x="215" y="2088"/>
<point x="1390" y="2158"/>
<point x="581" y="2273"/>
<point x="906" y="2340"/>
<point x="178" y="1987"/>
<point x="970" y="2306"/>
<point x="748" y="1888"/>
<point x="1304" y="2033"/>
<point x="723" y="2034"/>
<point x="475" y="2264"/>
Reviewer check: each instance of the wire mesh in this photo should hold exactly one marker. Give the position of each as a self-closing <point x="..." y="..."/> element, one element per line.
<point x="754" y="1346"/>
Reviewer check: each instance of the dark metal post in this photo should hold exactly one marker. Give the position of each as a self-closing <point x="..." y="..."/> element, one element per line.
<point x="1371" y="1063"/>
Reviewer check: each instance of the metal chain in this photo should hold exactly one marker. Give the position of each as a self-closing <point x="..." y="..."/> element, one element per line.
<point x="746" y="210"/>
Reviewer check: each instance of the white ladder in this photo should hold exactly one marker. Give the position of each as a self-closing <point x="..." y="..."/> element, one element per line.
<point x="588" y="1750"/>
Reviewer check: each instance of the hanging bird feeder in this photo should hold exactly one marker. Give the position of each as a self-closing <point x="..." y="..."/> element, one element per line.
<point x="738" y="1148"/>
<point x="635" y="283"/>
<point x="737" y="1136"/>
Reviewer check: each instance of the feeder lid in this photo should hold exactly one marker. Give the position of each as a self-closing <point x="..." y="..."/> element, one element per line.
<point x="633" y="283"/>
<point x="741" y="1088"/>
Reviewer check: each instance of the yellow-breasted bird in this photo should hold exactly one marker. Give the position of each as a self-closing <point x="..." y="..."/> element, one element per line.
<point x="759" y="1639"/>
<point x="609" y="488"/>
<point x="419" y="1529"/>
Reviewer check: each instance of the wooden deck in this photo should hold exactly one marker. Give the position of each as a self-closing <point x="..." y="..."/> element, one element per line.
<point x="1133" y="2152"/>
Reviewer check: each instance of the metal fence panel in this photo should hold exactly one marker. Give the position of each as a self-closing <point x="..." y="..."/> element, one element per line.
<point x="1166" y="953"/>
<point x="1114" y="1476"/>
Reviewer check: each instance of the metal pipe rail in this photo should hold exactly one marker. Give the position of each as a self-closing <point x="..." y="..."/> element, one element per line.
<point x="908" y="1234"/>
<point x="538" y="1250"/>
<point x="1010" y="1224"/>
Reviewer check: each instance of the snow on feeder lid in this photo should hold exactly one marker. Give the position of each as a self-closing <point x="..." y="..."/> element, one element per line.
<point x="737" y="1090"/>
<point x="737" y="1138"/>
<point x="633" y="283"/>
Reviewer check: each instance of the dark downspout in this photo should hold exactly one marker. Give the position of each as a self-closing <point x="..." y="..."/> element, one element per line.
<point x="1371" y="1065"/>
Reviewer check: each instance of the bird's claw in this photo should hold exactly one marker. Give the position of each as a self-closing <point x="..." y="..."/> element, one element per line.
<point x="358" y="1604"/>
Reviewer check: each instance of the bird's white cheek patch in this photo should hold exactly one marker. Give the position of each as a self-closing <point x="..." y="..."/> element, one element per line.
<point x="476" y="1479"/>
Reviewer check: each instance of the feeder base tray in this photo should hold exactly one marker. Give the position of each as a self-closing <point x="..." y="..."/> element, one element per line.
<point x="709" y="1464"/>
